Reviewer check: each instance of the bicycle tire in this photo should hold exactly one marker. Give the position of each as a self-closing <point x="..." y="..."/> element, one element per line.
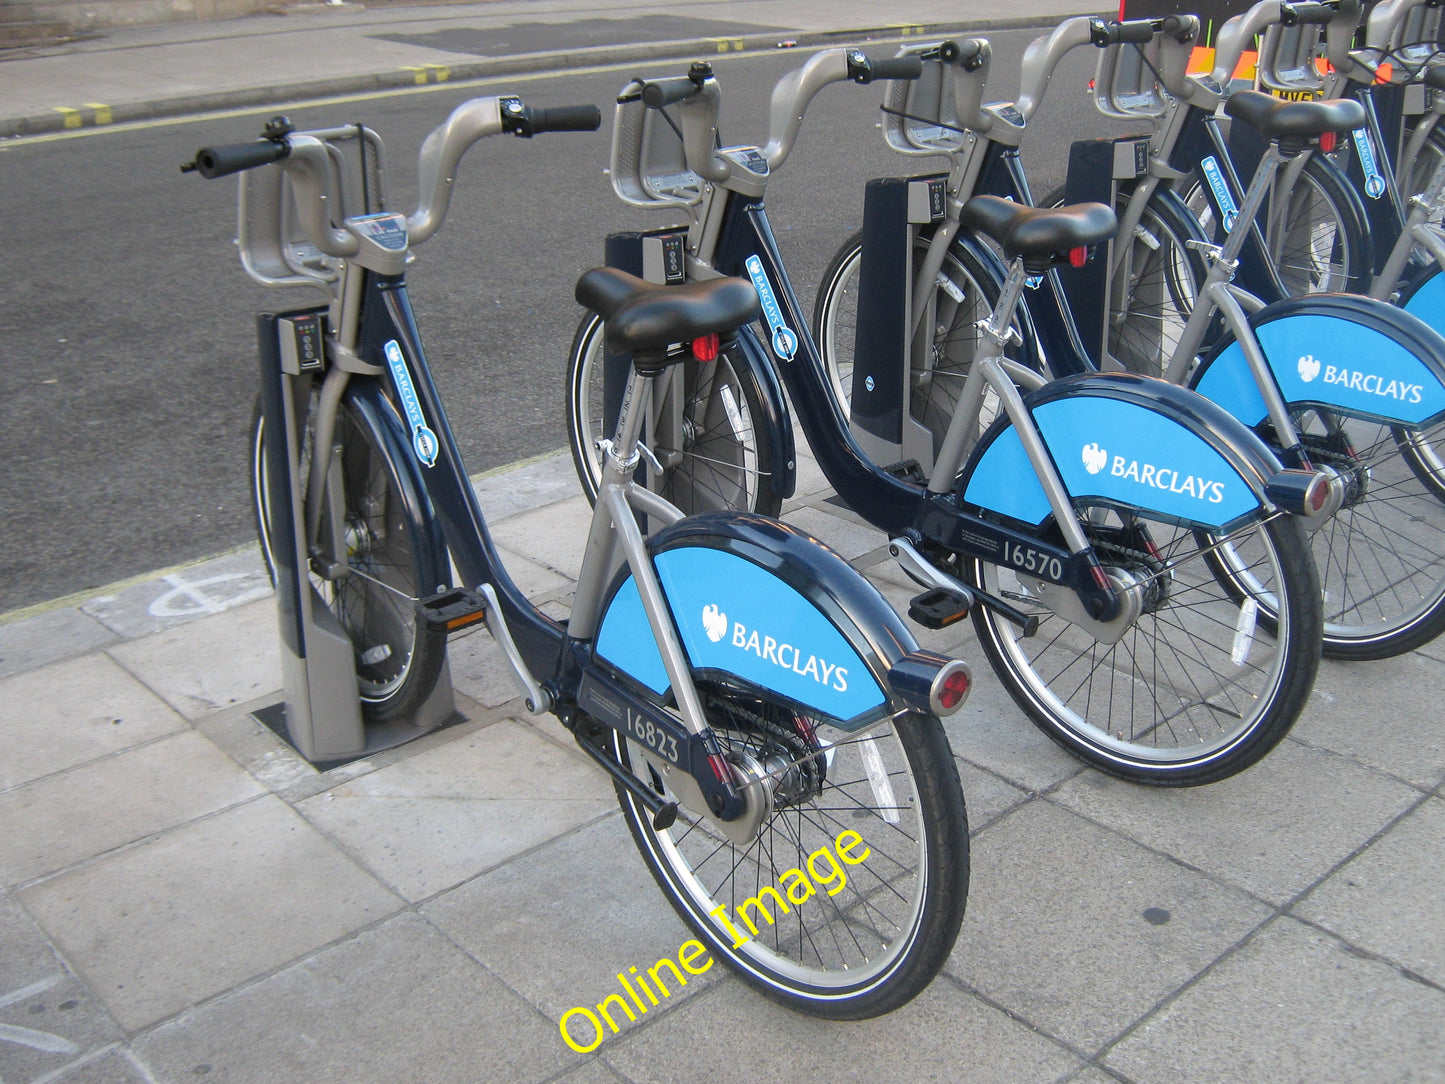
<point x="955" y="340"/>
<point x="721" y="457"/>
<point x="1192" y="692"/>
<point x="1381" y="558"/>
<point x="398" y="658"/>
<point x="883" y="936"/>
<point x="1167" y="277"/>
<point x="1319" y="242"/>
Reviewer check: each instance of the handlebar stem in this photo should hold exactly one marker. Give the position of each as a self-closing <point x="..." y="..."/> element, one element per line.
<point x="1042" y="57"/>
<point x="440" y="154"/>
<point x="792" y="95"/>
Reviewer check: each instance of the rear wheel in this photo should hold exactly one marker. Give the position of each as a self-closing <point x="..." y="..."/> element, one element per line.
<point x="1195" y="688"/>
<point x="706" y="426"/>
<point x="380" y="574"/>
<point x="848" y="936"/>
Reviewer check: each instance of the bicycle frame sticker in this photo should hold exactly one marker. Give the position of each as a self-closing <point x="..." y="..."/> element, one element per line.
<point x="1229" y="210"/>
<point x="1118" y="452"/>
<point x="1374" y="182"/>
<point x="738" y="618"/>
<point x="423" y="441"/>
<point x="785" y="339"/>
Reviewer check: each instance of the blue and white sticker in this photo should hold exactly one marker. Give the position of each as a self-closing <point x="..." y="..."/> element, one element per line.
<point x="1374" y="183"/>
<point x="1222" y="194"/>
<point x="423" y="441"/>
<point x="785" y="339"/>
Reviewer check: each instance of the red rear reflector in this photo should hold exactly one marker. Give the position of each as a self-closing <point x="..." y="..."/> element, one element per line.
<point x="705" y="348"/>
<point x="1078" y="256"/>
<point x="1328" y="141"/>
<point x="1099" y="578"/>
<point x="955" y="688"/>
<point x="1318" y="492"/>
<point x="720" y="768"/>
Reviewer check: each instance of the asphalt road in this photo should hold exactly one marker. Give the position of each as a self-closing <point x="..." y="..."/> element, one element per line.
<point x="129" y="365"/>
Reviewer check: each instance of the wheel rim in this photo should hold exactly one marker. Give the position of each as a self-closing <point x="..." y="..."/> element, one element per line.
<point x="1191" y="680"/>
<point x="827" y="945"/>
<point x="1381" y="558"/>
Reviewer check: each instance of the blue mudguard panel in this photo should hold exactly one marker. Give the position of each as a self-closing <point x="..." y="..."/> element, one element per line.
<point x="1129" y="441"/>
<point x="808" y="627"/>
<point x="1359" y="357"/>
<point x="1425" y="298"/>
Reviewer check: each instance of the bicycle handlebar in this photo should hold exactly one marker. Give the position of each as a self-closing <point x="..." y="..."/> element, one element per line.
<point x="305" y="159"/>
<point x="212" y="162"/>
<point x="1130" y="32"/>
<point x="894" y="67"/>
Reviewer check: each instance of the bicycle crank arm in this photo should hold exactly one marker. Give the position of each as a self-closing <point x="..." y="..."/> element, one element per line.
<point x="460" y="608"/>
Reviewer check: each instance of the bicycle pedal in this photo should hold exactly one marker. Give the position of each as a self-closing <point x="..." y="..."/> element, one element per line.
<point x="908" y="471"/>
<point x="453" y="609"/>
<point x="938" y="608"/>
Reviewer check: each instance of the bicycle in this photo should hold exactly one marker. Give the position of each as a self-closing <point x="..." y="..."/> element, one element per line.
<point x="732" y="762"/>
<point x="1378" y="551"/>
<point x="1065" y="567"/>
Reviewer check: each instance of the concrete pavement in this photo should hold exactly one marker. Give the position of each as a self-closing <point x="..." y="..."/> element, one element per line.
<point x="182" y="898"/>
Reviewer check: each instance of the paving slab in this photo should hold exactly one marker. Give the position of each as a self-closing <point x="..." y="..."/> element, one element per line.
<point x="1080" y="932"/>
<point x="47" y="1018"/>
<point x="548" y="535"/>
<point x="1400" y="731"/>
<point x="431" y="821"/>
<point x="559" y="925"/>
<point x="155" y="928"/>
<point x="212" y="664"/>
<point x="114" y="1065"/>
<point x="942" y="1035"/>
<point x="183" y="595"/>
<point x="73" y="712"/>
<point x="49" y="637"/>
<point x="63" y="819"/>
<point x="1273" y="830"/>
<point x="1390" y="896"/>
<point x="1293" y="1004"/>
<point x="396" y="1003"/>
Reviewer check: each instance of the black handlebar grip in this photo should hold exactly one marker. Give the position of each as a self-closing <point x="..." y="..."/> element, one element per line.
<point x="1130" y="31"/>
<point x="661" y="92"/>
<point x="567" y="118"/>
<point x="1293" y="14"/>
<point x="895" y="67"/>
<point x="212" y="162"/>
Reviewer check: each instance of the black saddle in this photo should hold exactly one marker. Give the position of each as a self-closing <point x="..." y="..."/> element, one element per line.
<point x="1275" y="118"/>
<point x="644" y="317"/>
<point x="1043" y="236"/>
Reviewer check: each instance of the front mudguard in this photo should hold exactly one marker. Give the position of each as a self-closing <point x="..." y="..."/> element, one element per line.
<point x="1353" y="356"/>
<point x="1131" y="442"/>
<point x="777" y="425"/>
<point x="760" y="601"/>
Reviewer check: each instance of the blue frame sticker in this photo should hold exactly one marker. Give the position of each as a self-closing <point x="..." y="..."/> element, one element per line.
<point x="785" y="339"/>
<point x="1374" y="182"/>
<point x="1228" y="208"/>
<point x="423" y="441"/>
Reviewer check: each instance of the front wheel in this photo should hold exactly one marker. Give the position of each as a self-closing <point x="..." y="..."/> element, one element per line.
<point x="1195" y="688"/>
<point x="826" y="925"/>
<point x="373" y="590"/>
<point x="705" y="426"/>
<point x="964" y="294"/>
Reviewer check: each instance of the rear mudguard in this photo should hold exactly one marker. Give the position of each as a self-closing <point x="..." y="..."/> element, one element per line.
<point x="1424" y="296"/>
<point x="759" y="600"/>
<point x="1133" y="442"/>
<point x="1351" y="355"/>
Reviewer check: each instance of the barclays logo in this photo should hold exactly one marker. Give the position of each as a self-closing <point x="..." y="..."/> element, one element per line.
<point x="1309" y="368"/>
<point x="1094" y="458"/>
<point x="714" y="623"/>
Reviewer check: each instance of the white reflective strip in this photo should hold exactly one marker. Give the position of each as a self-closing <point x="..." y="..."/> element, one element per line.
<point x="883" y="798"/>
<point x="1244" y="631"/>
